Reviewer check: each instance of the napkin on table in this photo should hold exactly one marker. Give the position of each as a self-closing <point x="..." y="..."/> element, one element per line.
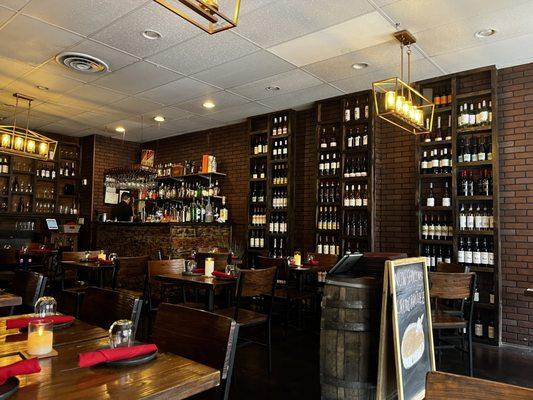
<point x="24" y="367"/>
<point x="90" y="358"/>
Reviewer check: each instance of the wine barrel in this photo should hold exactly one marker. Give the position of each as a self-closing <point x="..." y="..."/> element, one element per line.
<point x="349" y="338"/>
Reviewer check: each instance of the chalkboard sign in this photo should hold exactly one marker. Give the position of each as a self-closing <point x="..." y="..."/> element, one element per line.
<point x="406" y="334"/>
<point x="411" y="322"/>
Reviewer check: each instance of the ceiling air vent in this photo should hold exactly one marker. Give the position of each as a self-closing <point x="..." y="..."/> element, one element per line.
<point x="82" y="63"/>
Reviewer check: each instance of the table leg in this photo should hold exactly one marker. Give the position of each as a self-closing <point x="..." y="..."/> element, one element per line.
<point x="210" y="300"/>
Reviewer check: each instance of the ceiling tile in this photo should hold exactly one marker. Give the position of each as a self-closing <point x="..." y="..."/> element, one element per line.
<point x="137" y="77"/>
<point x="177" y="91"/>
<point x="503" y="53"/>
<point x="240" y="112"/>
<point x="94" y="95"/>
<point x="126" y="33"/>
<point x="460" y="34"/>
<point x="55" y="83"/>
<point x="369" y="29"/>
<point x="258" y="65"/>
<point x="65" y="127"/>
<point x="133" y="105"/>
<point x="11" y="70"/>
<point x="340" y="67"/>
<point x="99" y="117"/>
<point x="14" y="4"/>
<point x="221" y="99"/>
<point x="203" y="52"/>
<point x="169" y="113"/>
<point x="287" y="82"/>
<point x="285" y="20"/>
<point x="5" y="14"/>
<point x="58" y="110"/>
<point x="418" y="15"/>
<point x="80" y="16"/>
<point x="301" y="97"/>
<point x="38" y="40"/>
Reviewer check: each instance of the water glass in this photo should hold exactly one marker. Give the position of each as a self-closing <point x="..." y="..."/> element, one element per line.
<point x="45" y="306"/>
<point x="121" y="334"/>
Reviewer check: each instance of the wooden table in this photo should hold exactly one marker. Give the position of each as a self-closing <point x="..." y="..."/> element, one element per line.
<point x="93" y="267"/>
<point x="209" y="283"/>
<point x="9" y="300"/>
<point x="167" y="377"/>
<point x="12" y="341"/>
<point x="528" y="292"/>
<point x="45" y="254"/>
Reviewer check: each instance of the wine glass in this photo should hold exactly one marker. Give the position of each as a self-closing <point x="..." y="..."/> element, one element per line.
<point x="45" y="306"/>
<point x="121" y="333"/>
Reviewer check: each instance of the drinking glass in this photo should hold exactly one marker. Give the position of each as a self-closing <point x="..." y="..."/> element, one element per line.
<point x="45" y="306"/>
<point x="121" y="333"/>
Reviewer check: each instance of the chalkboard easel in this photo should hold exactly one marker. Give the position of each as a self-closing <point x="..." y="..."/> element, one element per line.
<point x="406" y="333"/>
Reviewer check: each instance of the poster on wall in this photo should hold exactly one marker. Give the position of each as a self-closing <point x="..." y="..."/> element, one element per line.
<point x="110" y="195"/>
<point x="147" y="158"/>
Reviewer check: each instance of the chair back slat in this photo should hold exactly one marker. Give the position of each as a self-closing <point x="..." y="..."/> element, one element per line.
<point x="279" y="263"/>
<point x="201" y="336"/>
<point x="102" y="307"/>
<point x="451" y="286"/>
<point x="28" y="285"/>
<point x="131" y="272"/>
<point x="257" y="282"/>
<point x="77" y="255"/>
<point x="221" y="260"/>
<point x="160" y="267"/>
<point x="444" y="386"/>
<point x="9" y="257"/>
<point x="450" y="267"/>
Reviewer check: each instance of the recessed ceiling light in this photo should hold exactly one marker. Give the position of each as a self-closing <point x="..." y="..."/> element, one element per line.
<point x="272" y="88"/>
<point x="151" y="34"/>
<point x="360" y="65"/>
<point x="120" y="129"/>
<point x="483" y="33"/>
<point x="40" y="87"/>
<point x="159" y="118"/>
<point x="209" y="104"/>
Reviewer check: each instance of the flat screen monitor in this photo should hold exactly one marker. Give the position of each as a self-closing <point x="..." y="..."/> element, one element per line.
<point x="51" y="223"/>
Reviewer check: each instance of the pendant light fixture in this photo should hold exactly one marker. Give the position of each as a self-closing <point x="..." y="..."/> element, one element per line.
<point x="397" y="102"/>
<point x="23" y="141"/>
<point x="207" y="15"/>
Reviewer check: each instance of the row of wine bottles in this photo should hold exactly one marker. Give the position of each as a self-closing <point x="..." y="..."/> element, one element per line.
<point x="439" y="161"/>
<point x="445" y="198"/>
<point x="259" y="145"/>
<point x="478" y="217"/>
<point x="479" y="116"/>
<point x="280" y="149"/>
<point x="474" y="149"/>
<point x="328" y="218"/>
<point x="278" y="223"/>
<point x="356" y="197"/>
<point x="357" y="137"/>
<point x="437" y="227"/>
<point x="328" y="191"/>
<point x="280" y="174"/>
<point x="436" y="254"/>
<point x="355" y="110"/>
<point x="327" y="245"/>
<point x="356" y="167"/>
<point x="329" y="164"/>
<point x="475" y="251"/>
<point x="480" y="185"/>
<point x="280" y="125"/>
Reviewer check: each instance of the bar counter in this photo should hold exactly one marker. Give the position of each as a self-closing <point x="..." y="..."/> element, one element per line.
<point x="174" y="239"/>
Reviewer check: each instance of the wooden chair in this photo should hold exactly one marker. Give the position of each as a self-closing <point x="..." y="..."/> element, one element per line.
<point x="28" y="285"/>
<point x="131" y="274"/>
<point x="9" y="261"/>
<point x="221" y="260"/>
<point x="102" y="307"/>
<point x="161" y="267"/>
<point x="444" y="386"/>
<point x="71" y="275"/>
<point x="253" y="285"/>
<point x="453" y="286"/>
<point x="200" y="336"/>
<point x="286" y="291"/>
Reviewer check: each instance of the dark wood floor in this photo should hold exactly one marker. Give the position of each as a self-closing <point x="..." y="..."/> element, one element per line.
<point x="296" y="367"/>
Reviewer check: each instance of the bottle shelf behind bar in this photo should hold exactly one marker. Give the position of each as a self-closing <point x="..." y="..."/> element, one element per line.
<point x="457" y="192"/>
<point x="271" y="184"/>
<point x="344" y="214"/>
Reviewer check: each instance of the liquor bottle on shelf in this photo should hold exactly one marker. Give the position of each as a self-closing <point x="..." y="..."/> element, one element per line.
<point x="4" y="165"/>
<point x="490" y="330"/>
<point x="478" y="326"/>
<point x="446" y="196"/>
<point x="430" y="198"/>
<point x="279" y="198"/>
<point x="347" y="111"/>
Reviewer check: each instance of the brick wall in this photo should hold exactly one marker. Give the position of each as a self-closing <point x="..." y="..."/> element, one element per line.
<point x="230" y="145"/>
<point x="516" y="201"/>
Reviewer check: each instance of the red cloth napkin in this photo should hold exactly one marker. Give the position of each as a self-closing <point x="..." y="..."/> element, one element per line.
<point x="17" y="323"/>
<point x="199" y="271"/>
<point x="313" y="262"/>
<point x="105" y="262"/>
<point x="223" y="275"/>
<point x="23" y="367"/>
<point x="91" y="358"/>
<point x="92" y="259"/>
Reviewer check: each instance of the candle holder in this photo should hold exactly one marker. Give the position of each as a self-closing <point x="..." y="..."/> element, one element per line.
<point x="209" y="266"/>
<point x="40" y="340"/>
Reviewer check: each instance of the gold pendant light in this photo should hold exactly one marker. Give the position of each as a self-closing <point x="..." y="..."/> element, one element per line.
<point x="206" y="14"/>
<point x="397" y="102"/>
<point x="24" y="142"/>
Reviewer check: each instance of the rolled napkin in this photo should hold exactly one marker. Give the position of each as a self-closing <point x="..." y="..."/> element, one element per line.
<point x="24" y="367"/>
<point x="105" y="262"/>
<point x="223" y="275"/>
<point x="314" y="262"/>
<point x="91" y="358"/>
<point x="198" y="270"/>
<point x="92" y="259"/>
<point x="17" y="323"/>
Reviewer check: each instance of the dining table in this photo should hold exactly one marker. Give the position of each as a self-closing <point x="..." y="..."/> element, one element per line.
<point x="93" y="267"/>
<point x="9" y="300"/>
<point x="167" y="376"/>
<point x="44" y="255"/>
<point x="209" y="283"/>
